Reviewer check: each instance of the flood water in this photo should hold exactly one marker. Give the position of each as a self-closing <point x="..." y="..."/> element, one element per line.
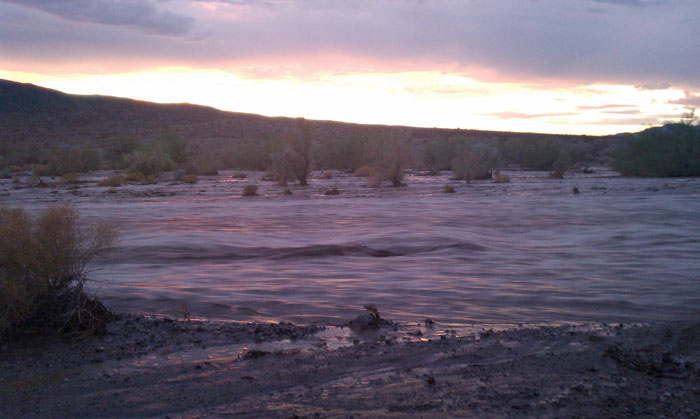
<point x="528" y="251"/>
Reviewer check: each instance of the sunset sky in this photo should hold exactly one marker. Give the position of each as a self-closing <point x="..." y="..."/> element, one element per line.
<point x="561" y="66"/>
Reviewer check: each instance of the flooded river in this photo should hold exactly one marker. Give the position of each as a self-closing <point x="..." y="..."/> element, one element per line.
<point x="528" y="251"/>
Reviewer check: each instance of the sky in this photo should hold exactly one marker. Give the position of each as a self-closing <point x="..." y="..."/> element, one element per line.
<point x="558" y="66"/>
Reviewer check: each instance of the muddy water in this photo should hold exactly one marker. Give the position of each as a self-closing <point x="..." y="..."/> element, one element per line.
<point x="529" y="251"/>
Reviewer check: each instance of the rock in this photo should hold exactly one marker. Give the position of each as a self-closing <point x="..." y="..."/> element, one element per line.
<point x="369" y="320"/>
<point x="429" y="322"/>
<point x="575" y="190"/>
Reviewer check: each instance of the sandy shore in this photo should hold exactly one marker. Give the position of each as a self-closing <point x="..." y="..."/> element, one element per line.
<point x="145" y="367"/>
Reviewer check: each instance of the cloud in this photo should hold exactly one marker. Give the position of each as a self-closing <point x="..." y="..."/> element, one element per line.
<point x="602" y="107"/>
<point x="544" y="41"/>
<point x="689" y="101"/>
<point x="632" y="3"/>
<point x="521" y="115"/>
<point x="143" y="15"/>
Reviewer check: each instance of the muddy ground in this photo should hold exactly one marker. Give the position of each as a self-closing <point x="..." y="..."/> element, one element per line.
<point x="146" y="367"/>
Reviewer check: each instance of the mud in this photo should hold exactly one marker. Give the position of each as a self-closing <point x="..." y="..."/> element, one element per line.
<point x="148" y="367"/>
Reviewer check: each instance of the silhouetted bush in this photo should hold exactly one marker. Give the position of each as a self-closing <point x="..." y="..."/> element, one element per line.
<point x="669" y="151"/>
<point x="42" y="263"/>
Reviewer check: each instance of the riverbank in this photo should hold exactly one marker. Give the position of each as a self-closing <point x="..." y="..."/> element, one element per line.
<point x="148" y="367"/>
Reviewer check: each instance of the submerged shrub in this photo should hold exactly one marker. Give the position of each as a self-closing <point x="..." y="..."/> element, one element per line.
<point x="448" y="189"/>
<point x="71" y="178"/>
<point x="250" y="190"/>
<point x="42" y="271"/>
<point x="135" y="177"/>
<point x="112" y="181"/>
<point x="332" y="191"/>
<point x="191" y="178"/>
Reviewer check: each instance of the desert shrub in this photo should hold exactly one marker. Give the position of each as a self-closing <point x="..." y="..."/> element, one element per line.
<point x="563" y="163"/>
<point x="332" y="191"/>
<point x="364" y="171"/>
<point x="112" y="181"/>
<point x="438" y="154"/>
<point x="119" y="150"/>
<point x="251" y="154"/>
<point x="191" y="178"/>
<point x="71" y="178"/>
<point x="326" y="175"/>
<point x="390" y="155"/>
<point x="499" y="178"/>
<point x="135" y="177"/>
<point x="150" y="161"/>
<point x="280" y="168"/>
<point x="174" y="146"/>
<point x="250" y="190"/>
<point x="476" y="161"/>
<point x="448" y="189"/>
<point x="669" y="151"/>
<point x="64" y="160"/>
<point x="90" y="159"/>
<point x="534" y="154"/>
<point x="340" y="153"/>
<point x="205" y="164"/>
<point x="41" y="170"/>
<point x="42" y="271"/>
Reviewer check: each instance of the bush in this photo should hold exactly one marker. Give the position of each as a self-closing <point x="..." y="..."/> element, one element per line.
<point x="669" y="151"/>
<point x="390" y="154"/>
<point x="71" y="178"/>
<point x="448" y="189"/>
<point x="250" y="190"/>
<point x="205" y="164"/>
<point x="41" y="170"/>
<point x="191" y="178"/>
<point x="135" y="177"/>
<point x="112" y="181"/>
<point x="332" y="191"/>
<point x="150" y="162"/>
<point x="298" y="153"/>
<point x="42" y="263"/>
<point x="476" y="162"/>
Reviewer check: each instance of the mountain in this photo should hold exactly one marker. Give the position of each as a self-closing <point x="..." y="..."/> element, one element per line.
<point x="33" y="114"/>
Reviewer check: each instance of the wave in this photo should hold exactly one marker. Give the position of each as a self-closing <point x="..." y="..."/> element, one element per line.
<point x="233" y="253"/>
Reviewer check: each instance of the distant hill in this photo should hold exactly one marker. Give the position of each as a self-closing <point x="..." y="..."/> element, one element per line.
<point x="33" y="114"/>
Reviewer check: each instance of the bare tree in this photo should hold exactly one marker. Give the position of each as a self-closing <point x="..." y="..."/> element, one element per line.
<point x="299" y="153"/>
